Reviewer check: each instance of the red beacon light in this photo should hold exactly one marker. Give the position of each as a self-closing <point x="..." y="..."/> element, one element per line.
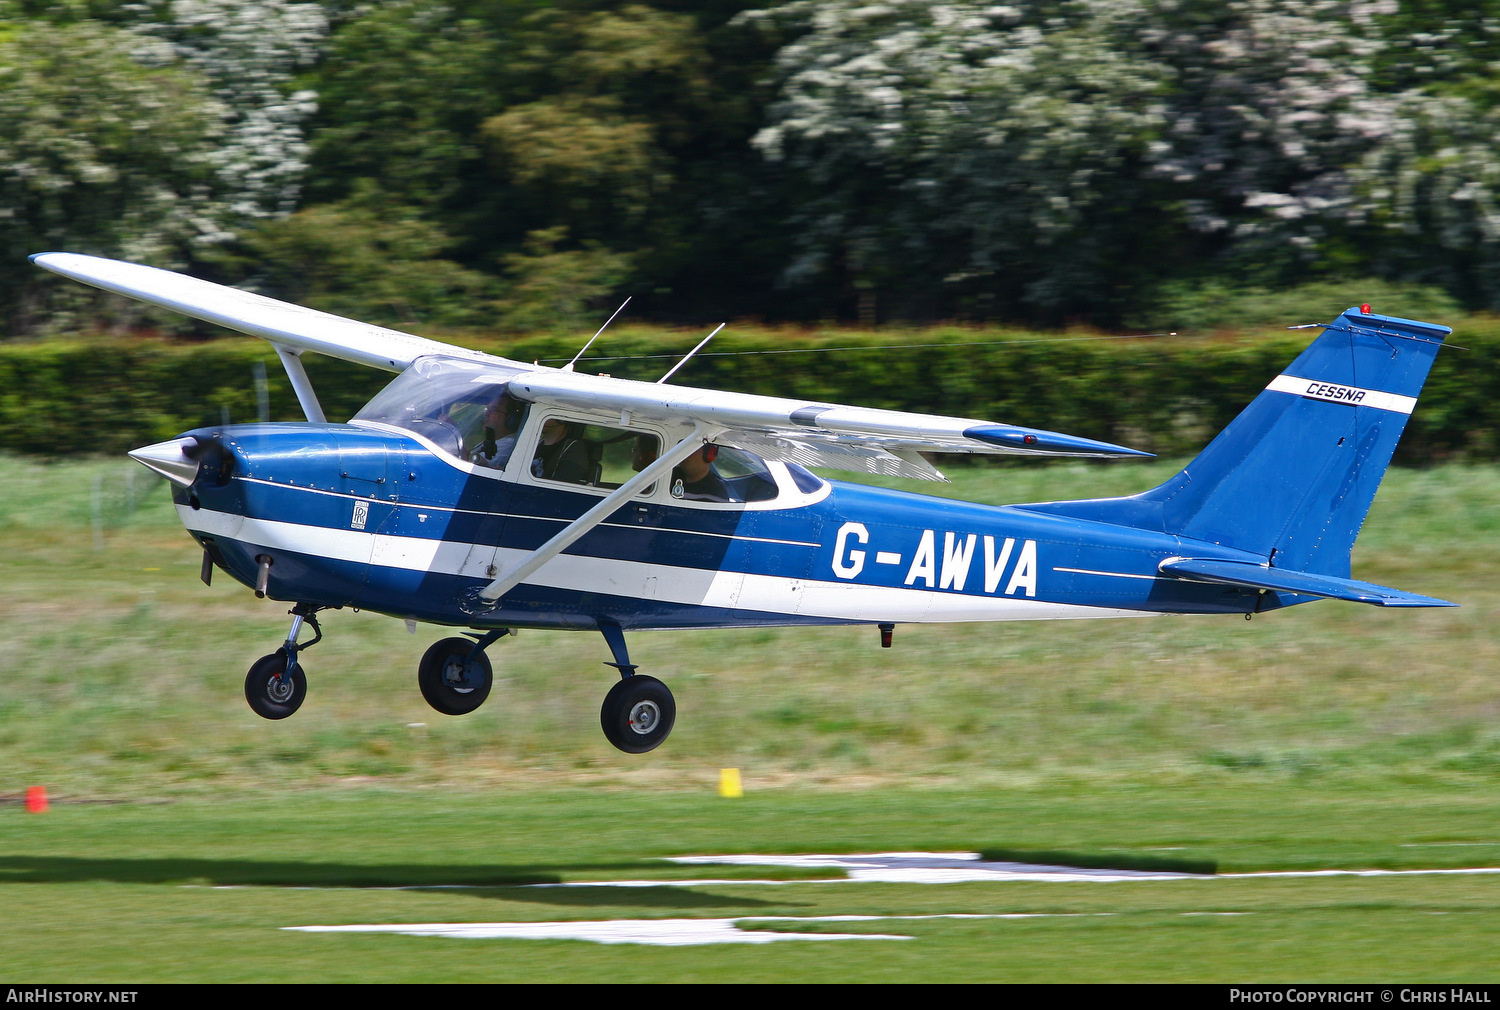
<point x="1365" y="309"/>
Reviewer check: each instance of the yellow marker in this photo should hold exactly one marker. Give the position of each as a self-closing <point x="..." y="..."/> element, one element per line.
<point x="729" y="783"/>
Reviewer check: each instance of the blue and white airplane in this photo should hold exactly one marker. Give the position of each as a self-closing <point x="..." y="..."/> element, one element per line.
<point x="482" y="493"/>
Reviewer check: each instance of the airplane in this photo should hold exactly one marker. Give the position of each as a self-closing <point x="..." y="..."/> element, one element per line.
<point x="491" y="495"/>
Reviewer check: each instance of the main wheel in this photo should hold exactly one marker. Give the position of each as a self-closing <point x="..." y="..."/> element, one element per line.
<point x="638" y="714"/>
<point x="451" y="680"/>
<point x="273" y="691"/>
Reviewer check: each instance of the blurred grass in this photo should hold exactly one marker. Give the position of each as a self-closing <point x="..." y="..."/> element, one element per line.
<point x="121" y="675"/>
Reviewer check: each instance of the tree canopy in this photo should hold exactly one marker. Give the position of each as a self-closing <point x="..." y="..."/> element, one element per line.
<point x="516" y="164"/>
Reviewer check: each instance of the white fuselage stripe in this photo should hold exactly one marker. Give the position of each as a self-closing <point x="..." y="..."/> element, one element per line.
<point x="516" y="515"/>
<point x="1117" y="575"/>
<point x="775" y="594"/>
<point x="1332" y="392"/>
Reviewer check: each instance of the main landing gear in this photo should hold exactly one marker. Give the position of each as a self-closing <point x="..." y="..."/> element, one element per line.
<point x="276" y="685"/>
<point x="455" y="675"/>
<point x="639" y="711"/>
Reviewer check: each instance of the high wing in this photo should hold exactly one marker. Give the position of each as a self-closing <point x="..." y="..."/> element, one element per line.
<point x="814" y="434"/>
<point x="282" y="323"/>
<point x="862" y="439"/>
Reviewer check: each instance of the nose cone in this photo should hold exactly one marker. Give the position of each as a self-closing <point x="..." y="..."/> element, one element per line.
<point x="170" y="459"/>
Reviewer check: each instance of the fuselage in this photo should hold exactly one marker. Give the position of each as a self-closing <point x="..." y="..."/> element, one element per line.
<point x="375" y="517"/>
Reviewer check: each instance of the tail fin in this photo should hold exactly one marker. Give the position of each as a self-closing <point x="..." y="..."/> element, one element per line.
<point x="1291" y="479"/>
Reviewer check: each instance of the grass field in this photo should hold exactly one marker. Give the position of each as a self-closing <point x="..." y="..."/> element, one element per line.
<point x="202" y="890"/>
<point x="1330" y="736"/>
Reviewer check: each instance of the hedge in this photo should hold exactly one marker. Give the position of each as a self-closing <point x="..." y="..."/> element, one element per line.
<point x="1168" y="395"/>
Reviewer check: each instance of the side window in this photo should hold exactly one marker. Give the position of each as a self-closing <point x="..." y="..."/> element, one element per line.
<point x="745" y="475"/>
<point x="719" y="474"/>
<point x="594" y="455"/>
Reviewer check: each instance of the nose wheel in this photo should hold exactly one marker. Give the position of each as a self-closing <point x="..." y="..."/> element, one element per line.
<point x="276" y="685"/>
<point x="273" y="691"/>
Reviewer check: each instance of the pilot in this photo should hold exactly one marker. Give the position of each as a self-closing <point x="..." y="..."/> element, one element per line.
<point x="694" y="478"/>
<point x="562" y="455"/>
<point x="499" y="437"/>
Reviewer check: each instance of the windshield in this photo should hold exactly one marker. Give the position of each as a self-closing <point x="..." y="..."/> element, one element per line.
<point x="460" y="406"/>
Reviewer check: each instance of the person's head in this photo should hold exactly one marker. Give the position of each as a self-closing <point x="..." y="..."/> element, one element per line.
<point x="497" y="414"/>
<point x="643" y="452"/>
<point x="696" y="466"/>
<point x="553" y="431"/>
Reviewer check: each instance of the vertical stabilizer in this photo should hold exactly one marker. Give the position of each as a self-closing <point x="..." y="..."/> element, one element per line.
<point x="1292" y="477"/>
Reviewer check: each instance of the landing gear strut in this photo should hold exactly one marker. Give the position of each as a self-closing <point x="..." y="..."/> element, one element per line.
<point x="276" y="685"/>
<point x="639" y="711"/>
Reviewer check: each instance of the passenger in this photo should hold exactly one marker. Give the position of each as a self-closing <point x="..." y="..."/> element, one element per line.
<point x="643" y="452"/>
<point x="562" y="455"/>
<point x="499" y="437"/>
<point x="694" y="478"/>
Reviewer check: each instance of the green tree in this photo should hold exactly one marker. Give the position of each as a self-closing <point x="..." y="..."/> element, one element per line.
<point x="615" y="130"/>
<point x="964" y="152"/>
<point x="100" y="154"/>
<point x="366" y="259"/>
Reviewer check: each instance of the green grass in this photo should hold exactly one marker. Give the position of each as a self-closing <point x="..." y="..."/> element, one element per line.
<point x="200" y="890"/>
<point x="185" y="832"/>
<point x="122" y="675"/>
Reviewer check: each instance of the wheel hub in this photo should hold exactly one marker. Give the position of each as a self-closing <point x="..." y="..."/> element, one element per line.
<point x="644" y="716"/>
<point x="279" y="689"/>
<point x="456" y="676"/>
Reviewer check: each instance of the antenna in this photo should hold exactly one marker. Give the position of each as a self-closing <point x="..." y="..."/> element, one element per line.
<point x="694" y="351"/>
<point x="569" y="366"/>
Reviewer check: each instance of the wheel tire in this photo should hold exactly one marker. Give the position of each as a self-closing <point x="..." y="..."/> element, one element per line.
<point x="637" y="714"/>
<point x="451" y="682"/>
<point x="272" y="691"/>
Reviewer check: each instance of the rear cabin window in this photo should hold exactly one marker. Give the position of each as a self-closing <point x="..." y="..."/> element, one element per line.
<point x="745" y="475"/>
<point x="593" y="455"/>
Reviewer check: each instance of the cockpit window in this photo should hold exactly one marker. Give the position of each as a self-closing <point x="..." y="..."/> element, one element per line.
<point x="466" y="410"/>
<point x="462" y="407"/>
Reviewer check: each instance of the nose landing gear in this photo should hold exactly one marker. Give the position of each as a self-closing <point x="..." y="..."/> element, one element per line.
<point x="276" y="685"/>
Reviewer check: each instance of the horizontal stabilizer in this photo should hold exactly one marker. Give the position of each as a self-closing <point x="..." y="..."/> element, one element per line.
<point x="1253" y="576"/>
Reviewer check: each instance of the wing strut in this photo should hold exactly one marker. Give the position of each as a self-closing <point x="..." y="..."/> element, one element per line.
<point x="565" y="537"/>
<point x="291" y="360"/>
